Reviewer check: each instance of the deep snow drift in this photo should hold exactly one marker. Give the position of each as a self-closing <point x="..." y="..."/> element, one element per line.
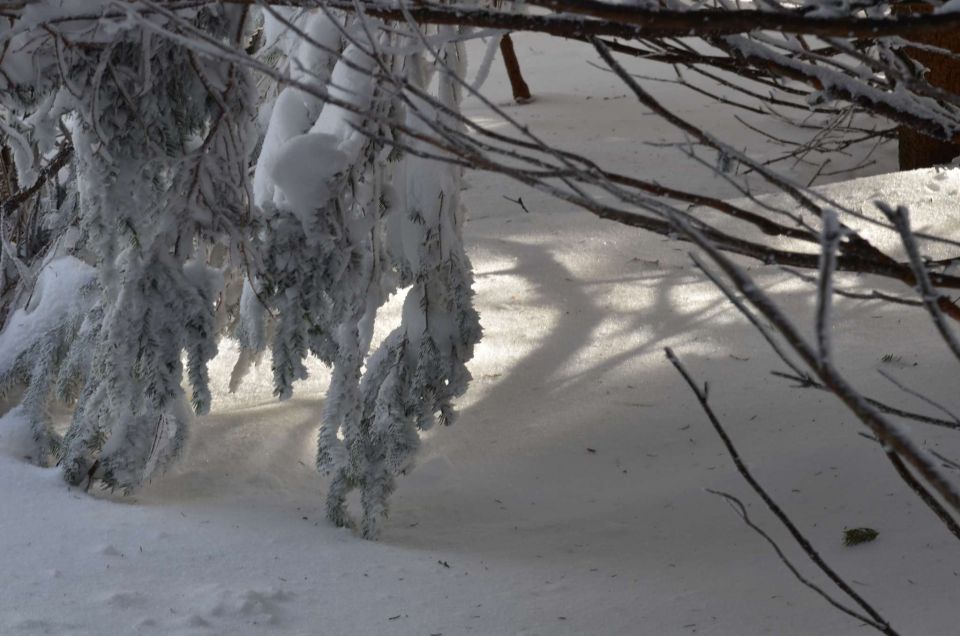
<point x="569" y="498"/>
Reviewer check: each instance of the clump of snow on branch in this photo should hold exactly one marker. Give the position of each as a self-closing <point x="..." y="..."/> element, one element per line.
<point x="350" y="218"/>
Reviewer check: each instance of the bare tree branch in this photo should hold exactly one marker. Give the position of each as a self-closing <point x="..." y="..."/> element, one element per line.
<point x="872" y="617"/>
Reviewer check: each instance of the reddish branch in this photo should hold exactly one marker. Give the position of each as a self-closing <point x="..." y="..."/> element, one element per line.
<point x="585" y="18"/>
<point x="48" y="172"/>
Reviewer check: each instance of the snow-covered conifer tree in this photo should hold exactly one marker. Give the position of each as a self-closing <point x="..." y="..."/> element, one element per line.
<point x="161" y="154"/>
<point x="349" y="217"/>
<point x="411" y="380"/>
<point x="160" y="136"/>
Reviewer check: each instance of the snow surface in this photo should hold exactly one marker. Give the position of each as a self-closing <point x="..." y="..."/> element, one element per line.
<point x="569" y="498"/>
<point x="55" y="297"/>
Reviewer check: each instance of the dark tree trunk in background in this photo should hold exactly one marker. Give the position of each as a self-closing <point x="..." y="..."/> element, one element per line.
<point x="916" y="149"/>
<point x="521" y="92"/>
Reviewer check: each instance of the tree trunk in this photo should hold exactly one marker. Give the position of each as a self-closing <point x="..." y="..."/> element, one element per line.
<point x="521" y="92"/>
<point x="916" y="149"/>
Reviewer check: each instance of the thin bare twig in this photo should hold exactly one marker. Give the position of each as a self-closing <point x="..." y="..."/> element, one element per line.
<point x="919" y="396"/>
<point x="872" y="617"/>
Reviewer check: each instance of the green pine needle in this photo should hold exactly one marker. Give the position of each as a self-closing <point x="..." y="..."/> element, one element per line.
<point x="856" y="536"/>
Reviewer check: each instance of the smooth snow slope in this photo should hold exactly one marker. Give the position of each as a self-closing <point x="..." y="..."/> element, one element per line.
<point x="569" y="499"/>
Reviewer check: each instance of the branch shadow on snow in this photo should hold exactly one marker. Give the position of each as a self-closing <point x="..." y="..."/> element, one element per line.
<point x="587" y="438"/>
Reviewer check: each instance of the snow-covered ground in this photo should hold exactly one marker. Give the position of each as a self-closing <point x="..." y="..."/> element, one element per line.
<point x="570" y="497"/>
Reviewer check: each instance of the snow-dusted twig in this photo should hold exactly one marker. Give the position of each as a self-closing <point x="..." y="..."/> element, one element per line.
<point x="918" y="488"/>
<point x="830" y="238"/>
<point x="946" y="460"/>
<point x="925" y="495"/>
<point x="873" y="294"/>
<point x="807" y="382"/>
<point x="897" y="383"/>
<point x="932" y="300"/>
<point x="741" y="510"/>
<point x="802" y="376"/>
